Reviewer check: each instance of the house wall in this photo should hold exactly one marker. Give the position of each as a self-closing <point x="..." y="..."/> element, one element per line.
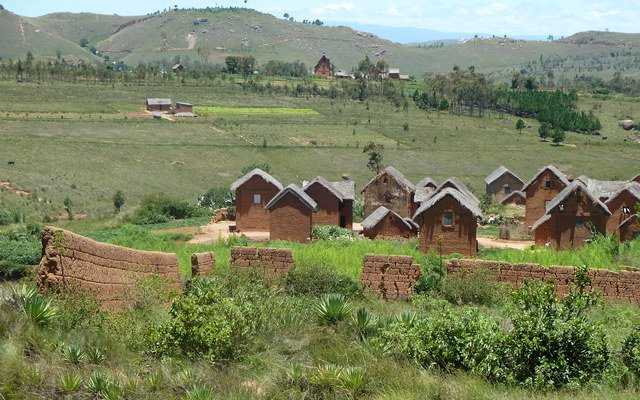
<point x="346" y="211"/>
<point x="630" y="231"/>
<point x="460" y="238"/>
<point x="183" y="109"/>
<point x="538" y="195"/>
<point x="159" y="107"/>
<point x="386" y="191"/>
<point x="390" y="277"/>
<point x="391" y="227"/>
<point x="616" y="206"/>
<point x="621" y="286"/>
<point x="517" y="200"/>
<point x="249" y="216"/>
<point x="496" y="188"/>
<point x="290" y="220"/>
<point x="328" y="205"/>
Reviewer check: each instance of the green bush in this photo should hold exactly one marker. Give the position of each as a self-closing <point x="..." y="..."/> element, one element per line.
<point x="6" y="217"/>
<point x="432" y="274"/>
<point x="476" y="288"/>
<point x="631" y="352"/>
<point x="20" y="246"/>
<point x="215" y="319"/>
<point x="160" y="208"/>
<point x="320" y="280"/>
<point x="331" y="309"/>
<point x="331" y="232"/>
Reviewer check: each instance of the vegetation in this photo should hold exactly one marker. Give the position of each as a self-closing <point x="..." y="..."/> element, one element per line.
<point x="159" y="208"/>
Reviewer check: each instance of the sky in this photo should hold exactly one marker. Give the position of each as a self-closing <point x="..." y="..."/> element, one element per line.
<point x="511" y="17"/>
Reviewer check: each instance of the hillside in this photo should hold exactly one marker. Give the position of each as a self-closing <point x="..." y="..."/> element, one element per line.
<point x="19" y="35"/>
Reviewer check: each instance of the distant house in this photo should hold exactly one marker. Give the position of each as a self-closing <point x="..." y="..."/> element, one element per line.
<point x="602" y="189"/>
<point x="424" y="190"/>
<point x="390" y="189"/>
<point x="455" y="183"/>
<point x="540" y="190"/>
<point x="290" y="215"/>
<point x="629" y="229"/>
<point x="183" y="109"/>
<point x="404" y="77"/>
<point x="517" y="198"/>
<point x="448" y="223"/>
<point x="253" y="191"/>
<point x="177" y="68"/>
<point x="160" y="105"/>
<point x="622" y="205"/>
<point x="323" y="68"/>
<point x="335" y="201"/>
<point x="571" y="219"/>
<point x="386" y="224"/>
<point x="341" y="74"/>
<point x="501" y="183"/>
<point x="394" y="73"/>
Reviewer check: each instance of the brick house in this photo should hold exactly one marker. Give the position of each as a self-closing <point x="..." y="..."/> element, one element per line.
<point x="636" y="179"/>
<point x="334" y="199"/>
<point x="252" y="192"/>
<point x="455" y="183"/>
<point x="517" y="198"/>
<point x="623" y="205"/>
<point x="183" y="108"/>
<point x="448" y="223"/>
<point x="323" y="68"/>
<point x="386" y="224"/>
<point x="290" y="215"/>
<point x="540" y="190"/>
<point x="629" y="229"/>
<point x="389" y="189"/>
<point x="571" y="219"/>
<point x="161" y="105"/>
<point x="502" y="183"/>
<point x="424" y="190"/>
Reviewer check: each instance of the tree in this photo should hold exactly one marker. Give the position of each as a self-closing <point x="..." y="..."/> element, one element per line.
<point x="286" y="16"/>
<point x="68" y="205"/>
<point x="558" y="136"/>
<point x="84" y="42"/>
<point x="520" y="125"/>
<point x="118" y="201"/>
<point x="544" y="131"/>
<point x="375" y="153"/>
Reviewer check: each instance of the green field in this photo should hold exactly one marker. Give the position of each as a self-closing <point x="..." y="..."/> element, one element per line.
<point x="67" y="141"/>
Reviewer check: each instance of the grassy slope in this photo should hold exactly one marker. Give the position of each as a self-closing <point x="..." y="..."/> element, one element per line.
<point x="89" y="156"/>
<point x="19" y="36"/>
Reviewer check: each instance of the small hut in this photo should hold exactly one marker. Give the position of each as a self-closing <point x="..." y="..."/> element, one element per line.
<point x="389" y="189"/>
<point x="636" y="179"/>
<point x="501" y="183"/>
<point x="629" y="229"/>
<point x="386" y="224"/>
<point x="253" y="191"/>
<point x="623" y="205"/>
<point x="183" y="109"/>
<point x="547" y="183"/>
<point x="516" y="198"/>
<point x="290" y="215"/>
<point x="160" y="105"/>
<point x="323" y="68"/>
<point x="335" y="201"/>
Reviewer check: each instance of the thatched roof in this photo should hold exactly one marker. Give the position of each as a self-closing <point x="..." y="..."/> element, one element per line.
<point x="396" y="175"/>
<point x="465" y="201"/>
<point x="502" y="170"/>
<point x="456" y="184"/>
<point x="342" y="190"/>
<point x="636" y="178"/>
<point x="158" y="102"/>
<point x="632" y="188"/>
<point x="379" y="214"/>
<point x="298" y="193"/>
<point x="603" y="189"/>
<point x="327" y="185"/>
<point x="545" y="218"/>
<point x="256" y="172"/>
<point x="427" y="182"/>
<point x="575" y="186"/>
<point x="510" y="197"/>
<point x="422" y="194"/>
<point x="561" y="176"/>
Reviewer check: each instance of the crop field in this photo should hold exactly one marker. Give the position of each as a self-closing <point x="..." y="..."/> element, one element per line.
<point x="88" y="141"/>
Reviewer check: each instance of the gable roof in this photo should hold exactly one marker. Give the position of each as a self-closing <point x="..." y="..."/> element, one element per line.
<point x="256" y="172"/>
<point x="559" y="174"/>
<point x="298" y="193"/>
<point x="379" y="214"/>
<point x="456" y="184"/>
<point x="152" y="101"/>
<point x="513" y="194"/>
<point x="632" y="188"/>
<point x="632" y="219"/>
<point x="602" y="189"/>
<point x="395" y="174"/>
<point x="465" y="201"/>
<point x="426" y="182"/>
<point x="545" y="218"/>
<point x="327" y="185"/>
<point x="422" y="194"/>
<point x="575" y="186"/>
<point x="500" y="171"/>
<point x="347" y="187"/>
<point x="636" y="178"/>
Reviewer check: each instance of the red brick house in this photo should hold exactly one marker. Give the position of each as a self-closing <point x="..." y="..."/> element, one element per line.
<point x="389" y="189"/>
<point x="629" y="229"/>
<point x="448" y="223"/>
<point x="335" y="201"/>
<point x="386" y="224"/>
<point x="424" y="190"/>
<point x="290" y="215"/>
<point x="571" y="219"/>
<point x="501" y="183"/>
<point x="540" y="190"/>
<point x="623" y="205"/>
<point x="252" y="192"/>
<point x="323" y="68"/>
<point x="161" y="105"/>
<point x="517" y="198"/>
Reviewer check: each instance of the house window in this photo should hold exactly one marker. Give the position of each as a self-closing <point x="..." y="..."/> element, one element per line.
<point x="548" y="184"/>
<point x="257" y="199"/>
<point x="507" y="189"/>
<point x="447" y="218"/>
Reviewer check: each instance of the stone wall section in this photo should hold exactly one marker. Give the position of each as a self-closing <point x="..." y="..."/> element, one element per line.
<point x="390" y="277"/>
<point x="623" y="285"/>
<point x="269" y="261"/>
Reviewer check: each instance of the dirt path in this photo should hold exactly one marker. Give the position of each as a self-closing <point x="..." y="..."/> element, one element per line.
<point x="12" y="189"/>
<point x="212" y="233"/>
<point x="490" y="243"/>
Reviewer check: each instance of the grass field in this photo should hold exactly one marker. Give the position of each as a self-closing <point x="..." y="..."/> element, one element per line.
<point x="66" y="141"/>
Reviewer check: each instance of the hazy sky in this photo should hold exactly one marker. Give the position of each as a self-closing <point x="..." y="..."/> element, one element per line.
<point x="495" y="17"/>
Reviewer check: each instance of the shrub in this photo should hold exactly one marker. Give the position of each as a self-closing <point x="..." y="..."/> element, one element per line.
<point x="32" y="304"/>
<point x="631" y="352"/>
<point x="216" y="198"/>
<point x="70" y="382"/>
<point x="20" y="247"/>
<point x="476" y="288"/>
<point x="160" y="208"/>
<point x="216" y="318"/>
<point x="319" y="280"/>
<point x="98" y="383"/>
<point x="73" y="354"/>
<point x="432" y="274"/>
<point x="331" y="309"/>
<point x="331" y="232"/>
<point x="199" y="393"/>
<point x="6" y="217"/>
<point x="364" y="323"/>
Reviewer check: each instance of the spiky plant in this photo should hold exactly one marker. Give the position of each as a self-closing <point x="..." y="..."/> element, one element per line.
<point x="95" y="355"/>
<point x="364" y="322"/>
<point x="354" y="381"/>
<point x="70" y="382"/>
<point x="407" y="318"/>
<point x="35" y="306"/>
<point x="98" y="383"/>
<point x="332" y="308"/>
<point x="112" y="392"/>
<point x="73" y="354"/>
<point x="199" y="393"/>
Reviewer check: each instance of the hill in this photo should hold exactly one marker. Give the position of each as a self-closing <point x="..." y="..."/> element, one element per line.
<point x="19" y="35"/>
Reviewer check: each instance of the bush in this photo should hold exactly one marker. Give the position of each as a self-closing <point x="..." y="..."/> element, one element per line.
<point x="6" y="217"/>
<point x="331" y="309"/>
<point x="631" y="352"/>
<point x="19" y="247"/>
<point x="476" y="288"/>
<point x="331" y="232"/>
<point x="160" y="208"/>
<point x="317" y="281"/>
<point x="216" y="198"/>
<point x="215" y="319"/>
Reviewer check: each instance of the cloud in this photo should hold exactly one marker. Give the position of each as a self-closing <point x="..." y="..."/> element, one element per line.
<point x="332" y="8"/>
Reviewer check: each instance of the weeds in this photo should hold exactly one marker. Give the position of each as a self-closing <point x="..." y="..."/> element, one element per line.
<point x="331" y="309"/>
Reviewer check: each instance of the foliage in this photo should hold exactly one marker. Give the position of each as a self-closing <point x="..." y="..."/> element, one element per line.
<point x="20" y="246"/>
<point x="70" y="382"/>
<point x="215" y="319"/>
<point x="266" y="167"/>
<point x="240" y="65"/>
<point x="319" y="280"/>
<point x="216" y="198"/>
<point x="364" y="323"/>
<point x="73" y="354"/>
<point x="375" y="152"/>
<point x="159" y="208"/>
<point x="557" y="136"/>
<point x="476" y="288"/>
<point x="544" y="131"/>
<point x="520" y="125"/>
<point x="331" y="232"/>
<point x="283" y="68"/>
<point x="118" y="201"/>
<point x="32" y="304"/>
<point x="331" y="309"/>
<point x="631" y="352"/>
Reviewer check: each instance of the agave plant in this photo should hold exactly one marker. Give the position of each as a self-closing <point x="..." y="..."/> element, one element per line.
<point x="112" y="392"/>
<point x="73" y="354"/>
<point x="70" y="382"/>
<point x="332" y="308"/>
<point x="365" y="323"/>
<point x="354" y="381"/>
<point x="326" y="376"/>
<point x="407" y="318"/>
<point x="95" y="355"/>
<point x="199" y="393"/>
<point x="36" y="307"/>
<point x="98" y="383"/>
